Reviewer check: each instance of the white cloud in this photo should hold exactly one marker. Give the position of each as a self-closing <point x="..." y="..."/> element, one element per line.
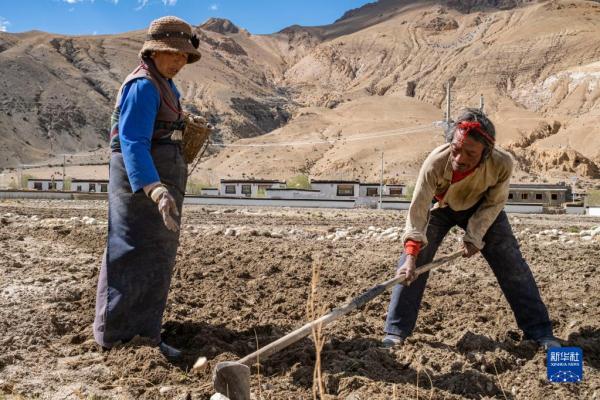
<point x="141" y="4"/>
<point x="144" y="3"/>
<point x="91" y="1"/>
<point x="4" y="23"/>
<point x="213" y="7"/>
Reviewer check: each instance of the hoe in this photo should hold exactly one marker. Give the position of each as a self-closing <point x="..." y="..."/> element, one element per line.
<point x="232" y="378"/>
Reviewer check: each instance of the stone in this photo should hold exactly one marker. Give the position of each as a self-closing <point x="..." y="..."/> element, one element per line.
<point x="165" y="389"/>
<point x="200" y="364"/>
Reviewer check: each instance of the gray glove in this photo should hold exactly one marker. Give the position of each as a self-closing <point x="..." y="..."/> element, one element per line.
<point x="166" y="206"/>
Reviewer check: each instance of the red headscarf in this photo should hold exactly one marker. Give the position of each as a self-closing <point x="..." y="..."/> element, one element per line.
<point x="474" y="126"/>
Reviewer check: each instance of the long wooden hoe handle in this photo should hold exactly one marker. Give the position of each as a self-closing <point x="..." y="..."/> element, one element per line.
<point x="336" y="313"/>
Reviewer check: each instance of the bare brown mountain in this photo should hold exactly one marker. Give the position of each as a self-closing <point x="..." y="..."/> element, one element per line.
<point x="58" y="91"/>
<point x="374" y="80"/>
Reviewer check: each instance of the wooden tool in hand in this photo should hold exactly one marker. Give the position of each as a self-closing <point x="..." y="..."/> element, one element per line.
<point x="232" y="378"/>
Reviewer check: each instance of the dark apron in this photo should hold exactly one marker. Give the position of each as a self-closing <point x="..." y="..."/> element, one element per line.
<point x="140" y="252"/>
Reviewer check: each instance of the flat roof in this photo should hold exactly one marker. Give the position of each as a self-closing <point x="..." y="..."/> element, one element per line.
<point x="332" y="181"/>
<point x="44" y="180"/>
<point x="250" y="181"/>
<point x="290" y="189"/>
<point x="90" y="180"/>
<point x="534" y="186"/>
<point x="264" y="199"/>
<point x="523" y="204"/>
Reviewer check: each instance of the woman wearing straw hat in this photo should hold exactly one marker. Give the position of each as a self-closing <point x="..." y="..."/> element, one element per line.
<point x="146" y="187"/>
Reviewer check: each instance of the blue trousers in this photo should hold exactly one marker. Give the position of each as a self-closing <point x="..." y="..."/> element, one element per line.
<point x="502" y="253"/>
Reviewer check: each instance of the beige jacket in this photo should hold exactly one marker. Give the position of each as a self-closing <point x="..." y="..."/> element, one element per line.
<point x="489" y="181"/>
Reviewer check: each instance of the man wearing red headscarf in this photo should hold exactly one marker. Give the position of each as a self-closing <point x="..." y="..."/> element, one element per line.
<point x="468" y="178"/>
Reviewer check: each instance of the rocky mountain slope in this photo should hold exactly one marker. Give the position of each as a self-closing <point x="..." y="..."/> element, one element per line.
<point x="372" y="81"/>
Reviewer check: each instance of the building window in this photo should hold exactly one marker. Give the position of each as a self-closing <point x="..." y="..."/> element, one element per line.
<point x="92" y="187"/>
<point x="510" y="196"/>
<point x="554" y="196"/>
<point x="104" y="187"/>
<point x="538" y="196"/>
<point x="79" y="188"/>
<point x="37" y="185"/>
<point x="345" y="190"/>
<point x="372" y="191"/>
<point x="395" y="191"/>
<point x="524" y="196"/>
<point x="229" y="189"/>
<point x="247" y="190"/>
<point x="51" y="185"/>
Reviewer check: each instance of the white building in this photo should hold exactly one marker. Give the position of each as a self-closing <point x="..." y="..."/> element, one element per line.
<point x="292" y="193"/>
<point x="248" y="188"/>
<point x="44" y="184"/>
<point x="336" y="189"/>
<point x="369" y="189"/>
<point x="548" y="195"/>
<point x="389" y="190"/>
<point x="394" y="190"/>
<point x="593" y="211"/>
<point x="209" y="191"/>
<point x="89" y="185"/>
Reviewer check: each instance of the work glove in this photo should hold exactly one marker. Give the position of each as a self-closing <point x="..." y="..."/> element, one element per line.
<point x="166" y="206"/>
<point x="407" y="269"/>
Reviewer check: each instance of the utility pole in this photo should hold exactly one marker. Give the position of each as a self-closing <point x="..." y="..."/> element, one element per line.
<point x="381" y="183"/>
<point x="481" y="102"/>
<point x="64" y="169"/>
<point x="448" y="100"/>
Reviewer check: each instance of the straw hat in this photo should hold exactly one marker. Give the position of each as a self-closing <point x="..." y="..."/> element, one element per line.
<point x="171" y="34"/>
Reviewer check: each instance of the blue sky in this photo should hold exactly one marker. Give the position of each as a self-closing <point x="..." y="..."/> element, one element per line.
<point x="87" y="17"/>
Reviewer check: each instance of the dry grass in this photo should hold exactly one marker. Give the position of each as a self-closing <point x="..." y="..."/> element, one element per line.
<point x="419" y="369"/>
<point x="258" y="368"/>
<point x="499" y="381"/>
<point x="314" y="309"/>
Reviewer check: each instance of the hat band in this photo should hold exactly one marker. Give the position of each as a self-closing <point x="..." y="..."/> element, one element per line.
<point x="168" y="35"/>
<point x="194" y="39"/>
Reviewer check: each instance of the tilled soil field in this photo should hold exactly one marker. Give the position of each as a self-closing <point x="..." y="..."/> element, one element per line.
<point x="243" y="277"/>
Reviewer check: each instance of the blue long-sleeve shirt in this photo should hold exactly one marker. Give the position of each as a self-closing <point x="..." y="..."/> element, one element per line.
<point x="139" y="106"/>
